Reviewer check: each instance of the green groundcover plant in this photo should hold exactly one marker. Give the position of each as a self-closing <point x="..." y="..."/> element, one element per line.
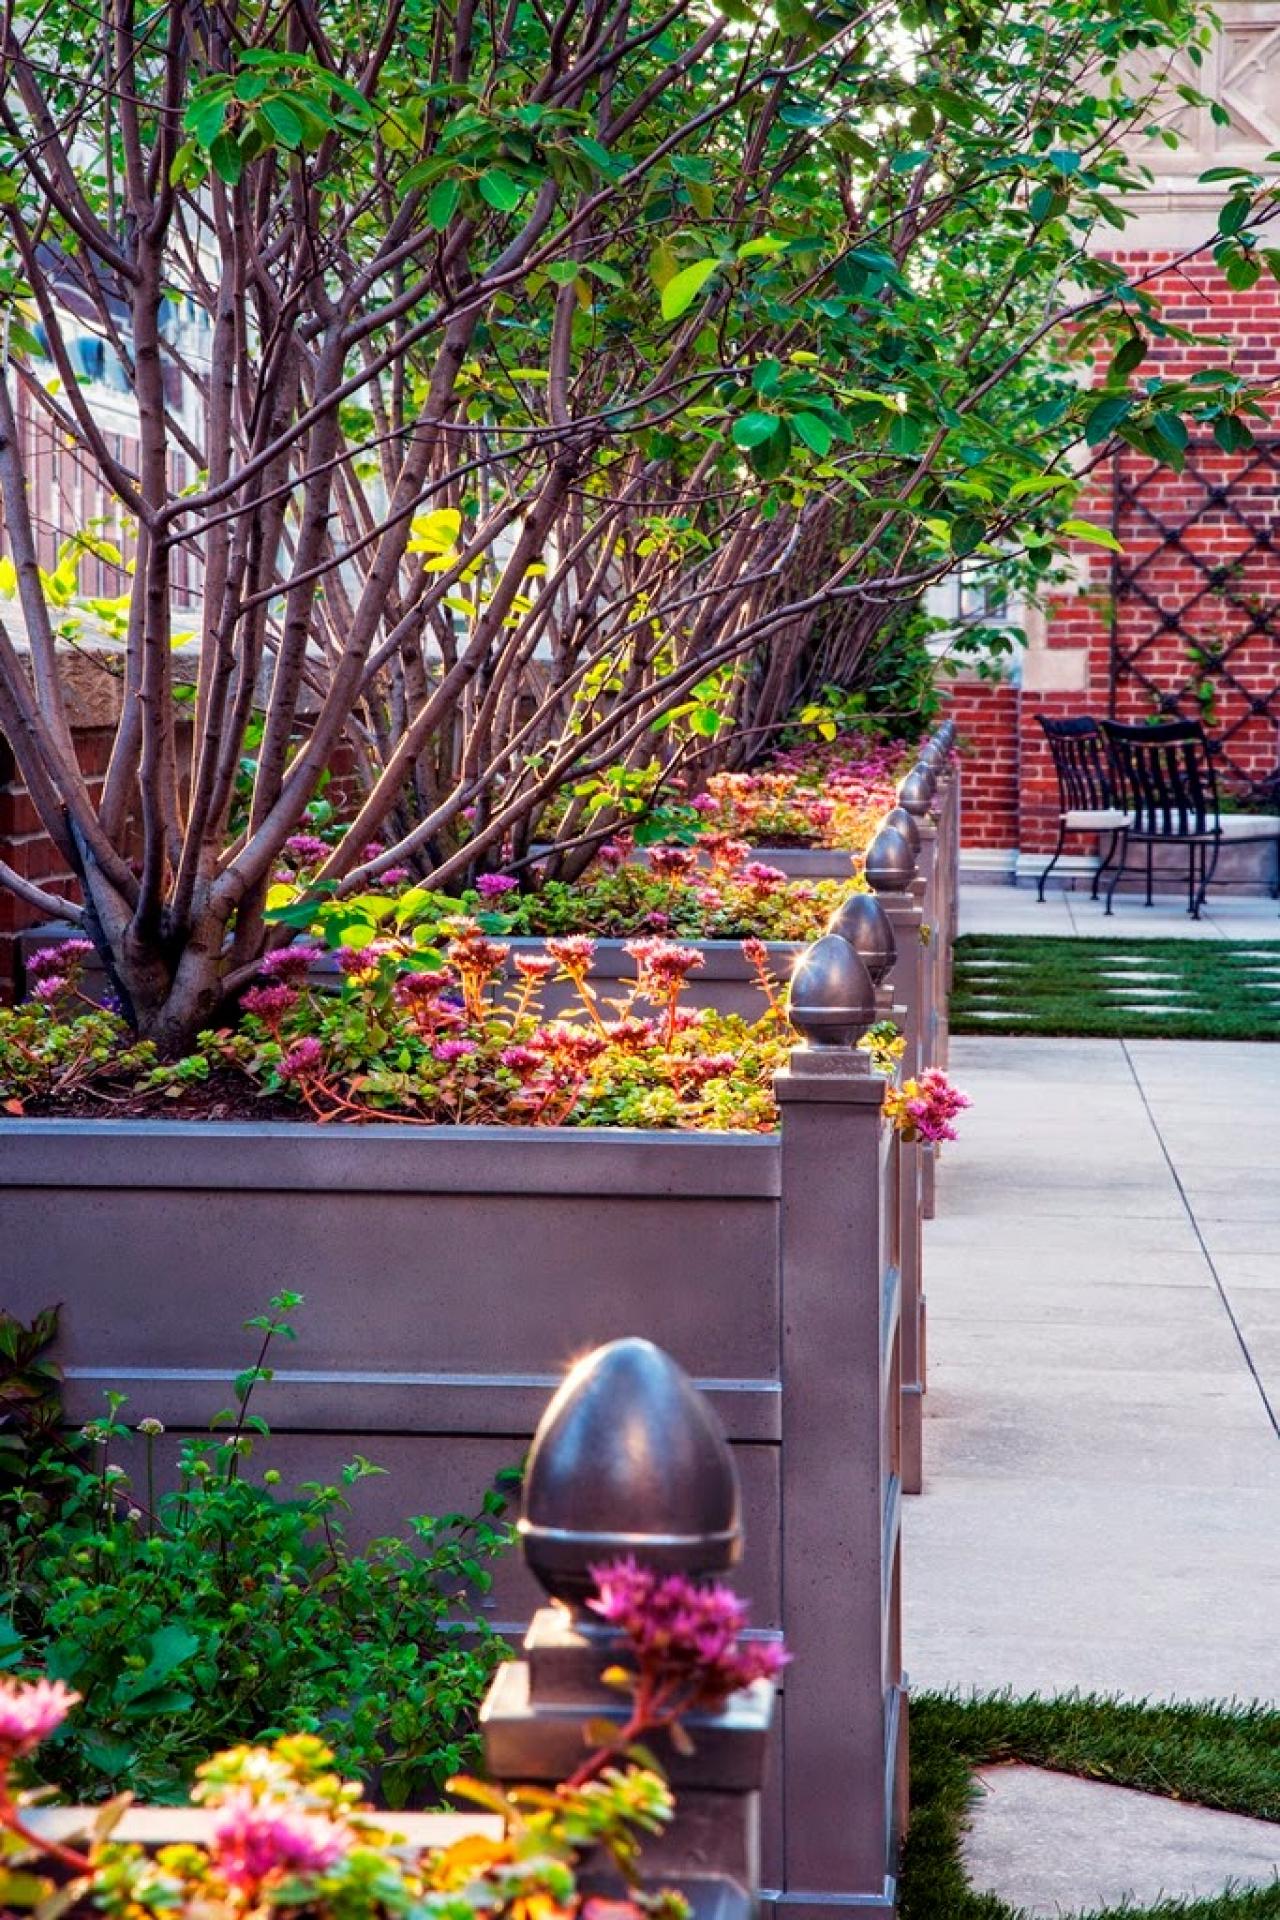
<point x="200" y="1608"/>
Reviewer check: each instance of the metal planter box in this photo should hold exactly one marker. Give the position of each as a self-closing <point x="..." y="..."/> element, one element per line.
<point x="450" y="1275"/>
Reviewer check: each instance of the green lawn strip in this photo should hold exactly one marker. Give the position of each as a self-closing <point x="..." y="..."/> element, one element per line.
<point x="1048" y="985"/>
<point x="1221" y="1757"/>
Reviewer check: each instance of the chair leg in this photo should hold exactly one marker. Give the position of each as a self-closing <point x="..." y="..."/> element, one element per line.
<point x="1193" y="851"/>
<point x="1208" y="867"/>
<point x="1151" y="855"/>
<point x="1123" y="838"/>
<point x="1110" y="856"/>
<point x="1057" y="855"/>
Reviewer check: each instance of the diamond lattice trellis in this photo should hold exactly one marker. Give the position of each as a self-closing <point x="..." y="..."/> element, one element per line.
<point x="1195" y="602"/>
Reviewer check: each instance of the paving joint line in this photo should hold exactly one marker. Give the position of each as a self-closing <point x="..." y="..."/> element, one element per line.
<point x="1209" y="1261"/>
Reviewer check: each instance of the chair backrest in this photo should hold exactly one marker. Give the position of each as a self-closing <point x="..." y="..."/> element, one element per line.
<point x="1163" y="775"/>
<point x="1080" y="762"/>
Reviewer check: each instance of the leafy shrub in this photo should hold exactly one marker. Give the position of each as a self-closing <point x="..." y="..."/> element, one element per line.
<point x="226" y="1609"/>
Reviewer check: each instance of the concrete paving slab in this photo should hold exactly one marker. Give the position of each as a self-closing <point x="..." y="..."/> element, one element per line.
<point x="1073" y="913"/>
<point x="1071" y="1237"/>
<point x="1258" y="1238"/>
<point x="1102" y="1470"/>
<point x="1116" y="1305"/>
<point x="1050" y="1844"/>
<point x="1058" y="1273"/>
<point x="1204" y="1444"/>
<point x="1134" y="1202"/>
<point x="1172" y="1346"/>
<point x="1251" y="1270"/>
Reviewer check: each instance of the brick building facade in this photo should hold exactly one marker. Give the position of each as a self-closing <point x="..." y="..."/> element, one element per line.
<point x="1187" y="619"/>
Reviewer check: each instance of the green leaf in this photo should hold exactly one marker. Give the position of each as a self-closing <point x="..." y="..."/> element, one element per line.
<point x="167" y="1650"/>
<point x="1172" y="429"/>
<point x="500" y="190"/>
<point x="1130" y="355"/>
<point x="204" y="117"/>
<point x="753" y="429"/>
<point x="228" y="161"/>
<point x="814" y="431"/>
<point x="283" y="122"/>
<point x="1235" y="213"/>
<point x="1106" y="417"/>
<point x="442" y="203"/>
<point x="1231" y="433"/>
<point x="683" y="288"/>
<point x="1085" y="530"/>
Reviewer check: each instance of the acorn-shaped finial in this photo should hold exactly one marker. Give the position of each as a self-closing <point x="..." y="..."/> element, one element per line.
<point x="917" y="790"/>
<point x="832" y="1001"/>
<point x="907" y="826"/>
<point x="863" y="922"/>
<point x="891" y="864"/>
<point x="629" y="1458"/>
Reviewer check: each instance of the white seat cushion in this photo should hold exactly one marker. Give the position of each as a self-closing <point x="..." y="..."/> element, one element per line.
<point x="1233" y="826"/>
<point x="1094" y="819"/>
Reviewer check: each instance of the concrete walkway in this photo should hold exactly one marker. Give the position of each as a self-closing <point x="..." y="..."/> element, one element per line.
<point x="1102" y="1441"/>
<point x="1067" y="913"/>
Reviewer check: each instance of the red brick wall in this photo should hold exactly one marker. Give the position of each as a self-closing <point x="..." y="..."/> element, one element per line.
<point x="986" y="717"/>
<point x="1207" y="592"/>
<point x="27" y="848"/>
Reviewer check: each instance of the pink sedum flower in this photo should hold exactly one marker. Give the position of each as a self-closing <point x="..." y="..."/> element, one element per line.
<point x="50" y="987"/>
<point x="255" y="1840"/>
<point x="306" y="849"/>
<point x="681" y="1631"/>
<point x="451" y="1050"/>
<point x="270" y="1003"/>
<point x="535" y="966"/>
<point x="29" y="1712"/>
<point x="304" y="1057"/>
<point x="288" y="963"/>
<point x="492" y="886"/>
<point x="574" y="951"/>
<point x="56" y="960"/>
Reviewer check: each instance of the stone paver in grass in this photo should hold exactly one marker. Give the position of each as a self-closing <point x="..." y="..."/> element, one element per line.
<point x="1050" y="1844"/>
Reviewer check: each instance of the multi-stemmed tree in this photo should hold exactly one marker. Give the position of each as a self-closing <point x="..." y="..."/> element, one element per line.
<point x="523" y="384"/>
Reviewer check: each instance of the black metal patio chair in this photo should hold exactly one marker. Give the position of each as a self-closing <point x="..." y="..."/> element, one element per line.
<point x="1085" y="799"/>
<point x="1164" y="780"/>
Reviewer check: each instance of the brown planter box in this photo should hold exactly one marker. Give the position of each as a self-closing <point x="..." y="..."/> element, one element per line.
<point x="451" y="1274"/>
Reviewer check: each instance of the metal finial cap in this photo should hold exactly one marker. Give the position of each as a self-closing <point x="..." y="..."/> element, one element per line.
<point x="891" y="864"/>
<point x="947" y="732"/>
<point x="906" y="824"/>
<point x="863" y="922"/>
<point x="629" y="1458"/>
<point x="832" y="1000"/>
<point x="917" y="790"/>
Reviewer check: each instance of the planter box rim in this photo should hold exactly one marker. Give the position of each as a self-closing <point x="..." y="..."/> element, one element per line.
<point x="303" y="1156"/>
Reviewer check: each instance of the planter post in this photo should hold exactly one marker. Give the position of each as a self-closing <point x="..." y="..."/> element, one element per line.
<point x="890" y="870"/>
<point x="629" y="1459"/>
<point x="844" y="1737"/>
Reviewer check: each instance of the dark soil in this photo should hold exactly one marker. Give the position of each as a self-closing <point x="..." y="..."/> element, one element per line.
<point x="223" y="1096"/>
